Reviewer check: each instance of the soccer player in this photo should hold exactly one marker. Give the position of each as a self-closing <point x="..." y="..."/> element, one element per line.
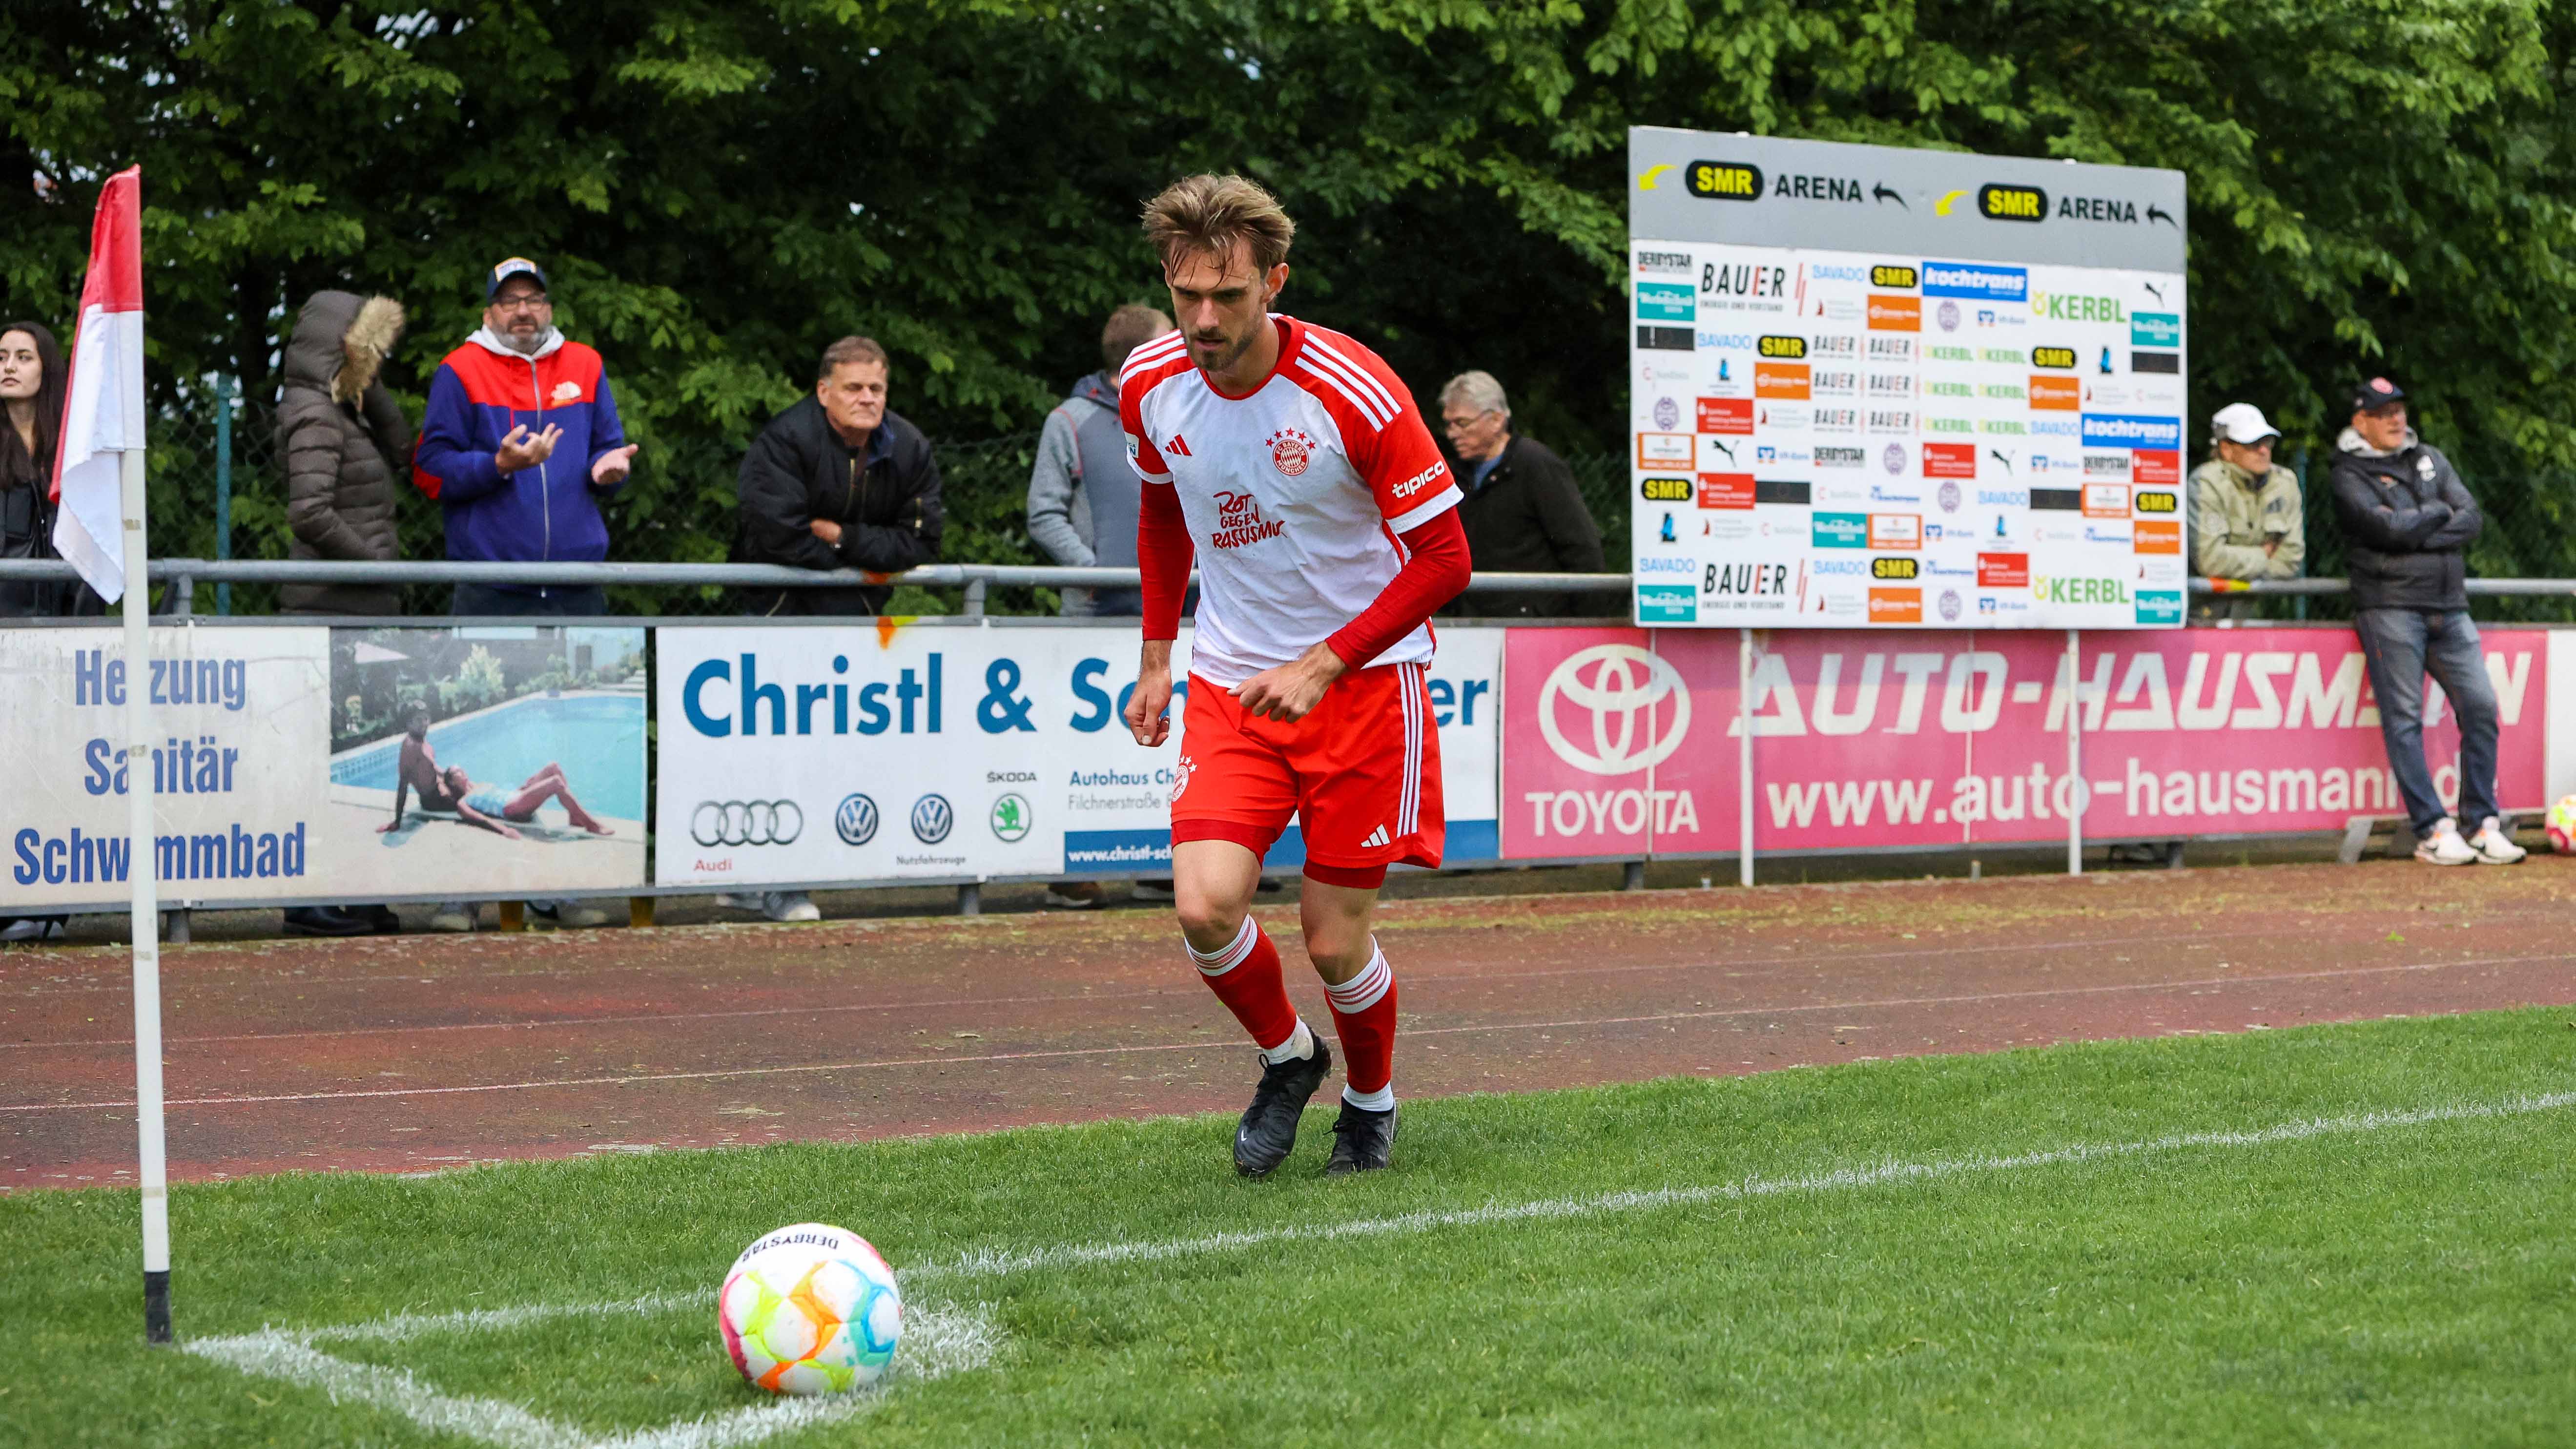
<point x="1293" y="464"/>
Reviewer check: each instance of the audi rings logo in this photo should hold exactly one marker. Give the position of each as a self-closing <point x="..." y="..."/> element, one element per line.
<point x="856" y="820"/>
<point x="932" y="819"/>
<point x="746" y="822"/>
<point x="1622" y="686"/>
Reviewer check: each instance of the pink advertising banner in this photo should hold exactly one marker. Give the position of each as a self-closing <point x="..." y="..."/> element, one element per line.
<point x="1619" y="742"/>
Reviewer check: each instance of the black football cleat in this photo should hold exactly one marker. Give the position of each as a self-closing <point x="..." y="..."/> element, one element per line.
<point x="1268" y="1132"/>
<point x="1362" y="1140"/>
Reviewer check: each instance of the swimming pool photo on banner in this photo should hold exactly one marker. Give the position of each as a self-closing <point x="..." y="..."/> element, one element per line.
<point x="503" y="759"/>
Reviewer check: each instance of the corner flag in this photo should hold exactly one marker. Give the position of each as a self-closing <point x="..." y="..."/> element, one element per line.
<point x="103" y="416"/>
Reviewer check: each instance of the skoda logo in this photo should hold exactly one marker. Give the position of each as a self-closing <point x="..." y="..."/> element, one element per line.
<point x="932" y="819"/>
<point x="746" y="822"/>
<point x="1011" y="818"/>
<point x="1620" y="684"/>
<point x="856" y="820"/>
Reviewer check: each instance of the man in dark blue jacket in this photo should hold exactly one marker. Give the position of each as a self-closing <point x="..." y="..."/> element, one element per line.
<point x="520" y="436"/>
<point x="2406" y="522"/>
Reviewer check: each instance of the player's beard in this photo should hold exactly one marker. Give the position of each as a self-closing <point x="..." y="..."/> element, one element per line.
<point x="1234" y="350"/>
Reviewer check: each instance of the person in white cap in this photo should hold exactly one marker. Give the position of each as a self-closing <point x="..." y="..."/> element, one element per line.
<point x="2247" y="521"/>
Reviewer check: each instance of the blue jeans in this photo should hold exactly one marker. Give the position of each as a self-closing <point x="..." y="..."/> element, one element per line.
<point x="2401" y="645"/>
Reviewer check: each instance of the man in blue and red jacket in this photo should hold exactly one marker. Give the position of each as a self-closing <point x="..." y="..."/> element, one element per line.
<point x="520" y="436"/>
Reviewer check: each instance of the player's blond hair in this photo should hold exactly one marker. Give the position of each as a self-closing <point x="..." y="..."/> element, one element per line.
<point x="1211" y="213"/>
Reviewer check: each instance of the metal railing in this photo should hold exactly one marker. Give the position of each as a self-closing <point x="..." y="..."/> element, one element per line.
<point x="184" y="574"/>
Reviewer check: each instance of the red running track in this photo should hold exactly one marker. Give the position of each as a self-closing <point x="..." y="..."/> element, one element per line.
<point x="419" y="1053"/>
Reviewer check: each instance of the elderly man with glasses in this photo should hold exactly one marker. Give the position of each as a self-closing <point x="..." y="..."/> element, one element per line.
<point x="2247" y="518"/>
<point x="1522" y="512"/>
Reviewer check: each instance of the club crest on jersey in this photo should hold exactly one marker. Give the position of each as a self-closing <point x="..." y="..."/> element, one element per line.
<point x="1181" y="778"/>
<point x="1291" y="451"/>
<point x="1239" y="520"/>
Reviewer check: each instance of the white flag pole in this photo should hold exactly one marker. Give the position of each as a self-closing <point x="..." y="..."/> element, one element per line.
<point x="140" y="871"/>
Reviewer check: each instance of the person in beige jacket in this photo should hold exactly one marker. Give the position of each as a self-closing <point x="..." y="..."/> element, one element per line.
<point x="2247" y="519"/>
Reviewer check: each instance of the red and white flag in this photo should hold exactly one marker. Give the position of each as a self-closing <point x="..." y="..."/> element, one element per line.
<point x="103" y="416"/>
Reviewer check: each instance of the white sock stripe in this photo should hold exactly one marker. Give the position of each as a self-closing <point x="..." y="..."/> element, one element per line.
<point x="1217" y="963"/>
<point x="1364" y="990"/>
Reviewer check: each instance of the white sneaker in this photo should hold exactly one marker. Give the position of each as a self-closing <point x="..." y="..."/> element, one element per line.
<point x="789" y="906"/>
<point x="732" y="902"/>
<point x="2493" y="846"/>
<point x="2445" y="847"/>
<point x="31" y="928"/>
<point x="453" y="916"/>
<point x="566" y="915"/>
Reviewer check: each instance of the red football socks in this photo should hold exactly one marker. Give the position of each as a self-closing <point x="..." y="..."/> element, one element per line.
<point x="1245" y="976"/>
<point x="1364" y="1018"/>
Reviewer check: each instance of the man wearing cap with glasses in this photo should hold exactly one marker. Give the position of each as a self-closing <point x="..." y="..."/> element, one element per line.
<point x="519" y="438"/>
<point x="2247" y="522"/>
<point x="2406" y="520"/>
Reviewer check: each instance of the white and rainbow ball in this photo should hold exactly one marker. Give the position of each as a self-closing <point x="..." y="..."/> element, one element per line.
<point x="2561" y="821"/>
<point x="810" y="1309"/>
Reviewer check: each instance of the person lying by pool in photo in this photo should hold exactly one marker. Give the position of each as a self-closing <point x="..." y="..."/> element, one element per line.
<point x="452" y="789"/>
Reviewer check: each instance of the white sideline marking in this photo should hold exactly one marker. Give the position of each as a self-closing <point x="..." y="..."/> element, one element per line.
<point x="938" y="1340"/>
<point x="998" y="1262"/>
<point x="1775" y="1009"/>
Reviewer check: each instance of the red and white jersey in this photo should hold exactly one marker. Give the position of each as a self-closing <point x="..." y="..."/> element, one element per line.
<point x="1295" y="492"/>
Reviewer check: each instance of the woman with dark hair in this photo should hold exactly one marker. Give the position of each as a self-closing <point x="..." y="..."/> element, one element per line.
<point x="32" y="379"/>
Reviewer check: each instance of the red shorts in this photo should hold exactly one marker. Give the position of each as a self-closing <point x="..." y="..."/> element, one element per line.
<point x="1361" y="773"/>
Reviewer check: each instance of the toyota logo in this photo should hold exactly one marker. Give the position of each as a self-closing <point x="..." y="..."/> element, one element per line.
<point x="932" y="819"/>
<point x="1620" y="684"/>
<point x="856" y="820"/>
<point x="746" y="822"/>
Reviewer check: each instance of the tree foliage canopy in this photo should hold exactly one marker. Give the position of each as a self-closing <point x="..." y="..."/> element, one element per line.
<point x="719" y="190"/>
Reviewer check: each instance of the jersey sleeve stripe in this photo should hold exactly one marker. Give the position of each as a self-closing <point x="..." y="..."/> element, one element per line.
<point x="1429" y="509"/>
<point x="1373" y="398"/>
<point x="1358" y="401"/>
<point x="1369" y="384"/>
<point x="1152" y="354"/>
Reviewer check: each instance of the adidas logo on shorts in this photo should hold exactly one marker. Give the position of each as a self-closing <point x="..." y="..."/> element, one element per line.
<point x="1376" y="838"/>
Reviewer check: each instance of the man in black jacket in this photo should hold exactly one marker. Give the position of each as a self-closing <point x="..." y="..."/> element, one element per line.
<point x="1522" y="512"/>
<point x="2406" y="519"/>
<point x="836" y="481"/>
<point x="839" y="481"/>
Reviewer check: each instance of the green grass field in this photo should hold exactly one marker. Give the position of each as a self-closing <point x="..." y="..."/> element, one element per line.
<point x="2346" y="1235"/>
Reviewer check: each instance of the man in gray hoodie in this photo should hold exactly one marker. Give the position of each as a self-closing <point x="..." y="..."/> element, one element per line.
<point x="1082" y="493"/>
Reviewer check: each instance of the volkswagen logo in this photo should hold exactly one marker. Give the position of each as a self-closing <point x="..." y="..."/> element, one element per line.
<point x="856" y="820"/>
<point x="1621" y="685"/>
<point x="746" y="822"/>
<point x="932" y="819"/>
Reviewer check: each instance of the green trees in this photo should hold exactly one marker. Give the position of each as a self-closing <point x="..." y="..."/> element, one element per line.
<point x="717" y="191"/>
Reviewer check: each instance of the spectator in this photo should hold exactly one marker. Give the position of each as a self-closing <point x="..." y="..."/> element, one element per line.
<point x="2406" y="520"/>
<point x="344" y="438"/>
<point x="1083" y="500"/>
<point x="1082" y="493"/>
<point x="837" y="481"/>
<point x="2247" y="520"/>
<point x="1522" y="512"/>
<point x="31" y="396"/>
<point x="32" y="378"/>
<point x="502" y="407"/>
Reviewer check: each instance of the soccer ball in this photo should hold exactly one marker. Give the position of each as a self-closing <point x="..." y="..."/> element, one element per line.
<point x="2562" y="826"/>
<point x="810" y="1309"/>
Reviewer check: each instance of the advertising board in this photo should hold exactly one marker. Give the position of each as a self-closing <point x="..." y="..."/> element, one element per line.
<point x="793" y="755"/>
<point x="1884" y="388"/>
